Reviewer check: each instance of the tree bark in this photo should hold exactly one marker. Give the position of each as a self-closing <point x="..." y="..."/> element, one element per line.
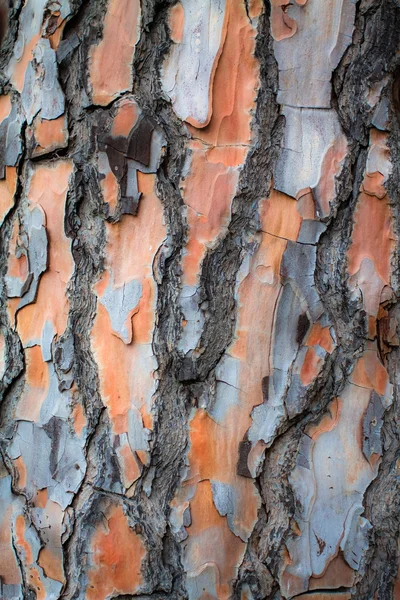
<point x="199" y="318"/>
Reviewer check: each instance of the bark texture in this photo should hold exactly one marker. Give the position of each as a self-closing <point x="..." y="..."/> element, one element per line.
<point x="199" y="283"/>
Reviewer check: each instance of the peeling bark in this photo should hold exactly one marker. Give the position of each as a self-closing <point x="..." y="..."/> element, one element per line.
<point x="199" y="325"/>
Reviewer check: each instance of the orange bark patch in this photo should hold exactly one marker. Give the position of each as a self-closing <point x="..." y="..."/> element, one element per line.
<point x="328" y="421"/>
<point x="48" y="189"/>
<point x="7" y="191"/>
<point x="18" y="73"/>
<point x="373" y="185"/>
<point x="79" y="419"/>
<point x="258" y="294"/>
<point x="338" y="574"/>
<point x="280" y="217"/>
<point x="208" y="191"/>
<point x="5" y="107"/>
<point x="111" y="60"/>
<point x="235" y="84"/>
<point x="36" y="385"/>
<point x="370" y="373"/>
<point x="230" y="156"/>
<point x="213" y="455"/>
<point x="213" y="452"/>
<point x="311" y="367"/>
<point x="113" y="368"/>
<point x="125" y="119"/>
<point x="50" y="135"/>
<point x="51" y="564"/>
<point x="110" y="190"/>
<point x="320" y="336"/>
<point x="210" y="541"/>
<point x="9" y="570"/>
<point x="306" y="204"/>
<point x="136" y="237"/>
<point x="372" y="236"/>
<point x="55" y="38"/>
<point x="126" y="370"/>
<point x="117" y="557"/>
<point x="34" y="576"/>
<point x="21" y="469"/>
<point x="143" y="319"/>
<point x="176" y="21"/>
<point x="256" y="8"/>
<point x="130" y="467"/>
<point x="143" y="456"/>
<point x="282" y="26"/>
<point x="147" y="418"/>
<point x="41" y="498"/>
<point x="329" y="169"/>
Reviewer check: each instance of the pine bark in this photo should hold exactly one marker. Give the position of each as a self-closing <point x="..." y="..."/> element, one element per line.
<point x="199" y="283"/>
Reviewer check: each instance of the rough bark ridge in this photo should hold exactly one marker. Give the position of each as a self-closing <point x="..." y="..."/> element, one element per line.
<point x="199" y="283"/>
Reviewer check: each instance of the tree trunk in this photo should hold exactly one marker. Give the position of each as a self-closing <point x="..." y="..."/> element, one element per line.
<point x="200" y="332"/>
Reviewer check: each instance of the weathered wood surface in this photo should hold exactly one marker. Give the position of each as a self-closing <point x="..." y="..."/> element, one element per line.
<point x="199" y="334"/>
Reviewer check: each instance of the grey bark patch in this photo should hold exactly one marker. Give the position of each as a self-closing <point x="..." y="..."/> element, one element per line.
<point x="295" y="397"/>
<point x="298" y="265"/>
<point x="372" y="425"/>
<point x="67" y="461"/>
<point x="139" y="142"/>
<point x="138" y="435"/>
<point x="310" y="231"/>
<point x="31" y="442"/>
<point x="64" y="360"/>
<point x="119" y="302"/>
<point x="10" y="140"/>
<point x="48" y="335"/>
<point x="42" y="91"/>
<point x="356" y="540"/>
<point x="67" y="46"/>
<point x="204" y="582"/>
<point x="36" y="250"/>
<point x="380" y="120"/>
<point x="242" y="467"/>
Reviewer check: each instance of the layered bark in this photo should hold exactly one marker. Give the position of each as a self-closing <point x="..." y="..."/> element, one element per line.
<point x="199" y="328"/>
